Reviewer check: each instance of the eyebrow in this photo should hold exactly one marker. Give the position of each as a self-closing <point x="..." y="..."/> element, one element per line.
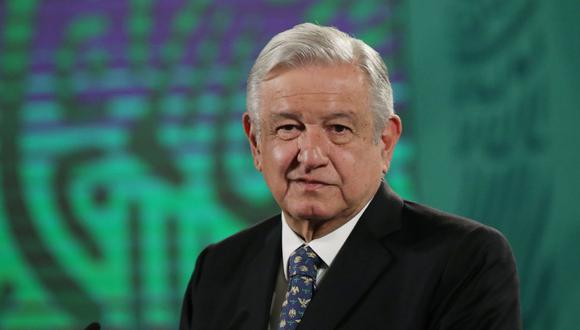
<point x="289" y="115"/>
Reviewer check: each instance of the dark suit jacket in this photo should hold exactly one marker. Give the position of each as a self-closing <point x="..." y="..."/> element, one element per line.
<point x="404" y="266"/>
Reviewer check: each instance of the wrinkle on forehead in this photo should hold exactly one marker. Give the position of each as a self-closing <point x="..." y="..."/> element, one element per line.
<point x="277" y="86"/>
<point x="281" y="92"/>
<point x="315" y="91"/>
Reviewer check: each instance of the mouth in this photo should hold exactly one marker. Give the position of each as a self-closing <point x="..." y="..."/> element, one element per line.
<point x="310" y="185"/>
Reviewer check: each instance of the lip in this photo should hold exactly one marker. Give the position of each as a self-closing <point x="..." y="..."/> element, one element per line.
<point x="310" y="185"/>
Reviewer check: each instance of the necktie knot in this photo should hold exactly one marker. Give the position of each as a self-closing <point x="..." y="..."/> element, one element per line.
<point x="304" y="262"/>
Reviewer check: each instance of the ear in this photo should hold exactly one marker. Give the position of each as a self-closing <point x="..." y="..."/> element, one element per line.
<point x="389" y="138"/>
<point x="250" y="131"/>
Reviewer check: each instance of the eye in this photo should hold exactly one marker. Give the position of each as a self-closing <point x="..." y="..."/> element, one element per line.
<point x="287" y="131"/>
<point x="340" y="134"/>
<point x="340" y="129"/>
<point x="286" y="127"/>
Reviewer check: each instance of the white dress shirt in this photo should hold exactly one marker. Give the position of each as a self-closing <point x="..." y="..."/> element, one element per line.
<point x="326" y="247"/>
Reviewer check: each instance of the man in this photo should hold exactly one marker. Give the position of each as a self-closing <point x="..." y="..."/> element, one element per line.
<point x="345" y="252"/>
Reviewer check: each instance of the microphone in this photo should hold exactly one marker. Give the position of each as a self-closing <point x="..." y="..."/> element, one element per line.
<point x="93" y="326"/>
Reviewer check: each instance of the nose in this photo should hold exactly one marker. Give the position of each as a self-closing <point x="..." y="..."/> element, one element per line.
<point x="313" y="151"/>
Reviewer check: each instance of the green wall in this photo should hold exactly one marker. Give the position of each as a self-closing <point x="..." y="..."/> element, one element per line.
<point x="496" y="99"/>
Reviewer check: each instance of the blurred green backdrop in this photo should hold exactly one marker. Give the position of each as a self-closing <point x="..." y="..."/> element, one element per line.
<point x="121" y="140"/>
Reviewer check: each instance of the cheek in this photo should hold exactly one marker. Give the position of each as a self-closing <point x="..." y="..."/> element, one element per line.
<point x="358" y="166"/>
<point x="281" y="156"/>
<point x="346" y="159"/>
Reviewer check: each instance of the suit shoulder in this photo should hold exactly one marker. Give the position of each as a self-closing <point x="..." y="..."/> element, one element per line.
<point x="426" y="222"/>
<point x="471" y="265"/>
<point x="244" y="239"/>
<point x="419" y="214"/>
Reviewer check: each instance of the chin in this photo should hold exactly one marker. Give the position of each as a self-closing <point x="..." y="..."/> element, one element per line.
<point x="308" y="211"/>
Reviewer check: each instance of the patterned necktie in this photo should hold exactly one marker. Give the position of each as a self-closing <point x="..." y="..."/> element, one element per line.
<point x="303" y="265"/>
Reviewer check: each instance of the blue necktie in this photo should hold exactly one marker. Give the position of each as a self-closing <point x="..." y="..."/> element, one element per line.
<point x="303" y="265"/>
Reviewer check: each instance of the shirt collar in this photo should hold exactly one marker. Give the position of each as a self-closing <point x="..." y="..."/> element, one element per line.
<point x="326" y="247"/>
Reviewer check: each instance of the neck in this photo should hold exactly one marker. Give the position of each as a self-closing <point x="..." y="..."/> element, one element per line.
<point x="310" y="229"/>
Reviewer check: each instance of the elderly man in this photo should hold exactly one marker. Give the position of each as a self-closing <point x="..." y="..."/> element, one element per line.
<point x="346" y="251"/>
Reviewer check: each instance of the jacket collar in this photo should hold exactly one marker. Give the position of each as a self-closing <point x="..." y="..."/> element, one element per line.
<point x="259" y="282"/>
<point x="359" y="262"/>
<point x="362" y="259"/>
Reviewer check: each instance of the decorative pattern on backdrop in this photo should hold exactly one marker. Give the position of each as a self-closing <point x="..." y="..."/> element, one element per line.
<point x="121" y="148"/>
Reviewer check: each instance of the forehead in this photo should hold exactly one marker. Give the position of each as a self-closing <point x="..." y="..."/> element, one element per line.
<point x="325" y="90"/>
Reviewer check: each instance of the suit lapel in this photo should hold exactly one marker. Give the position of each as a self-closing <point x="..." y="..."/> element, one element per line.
<point x="258" y="284"/>
<point x="361" y="260"/>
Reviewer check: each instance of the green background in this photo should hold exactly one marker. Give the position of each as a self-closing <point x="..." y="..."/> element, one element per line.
<point x="122" y="153"/>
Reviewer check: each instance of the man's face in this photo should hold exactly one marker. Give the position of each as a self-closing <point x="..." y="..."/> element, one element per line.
<point x="316" y="147"/>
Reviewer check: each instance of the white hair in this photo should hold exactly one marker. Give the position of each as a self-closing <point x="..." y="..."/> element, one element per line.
<point x="309" y="43"/>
